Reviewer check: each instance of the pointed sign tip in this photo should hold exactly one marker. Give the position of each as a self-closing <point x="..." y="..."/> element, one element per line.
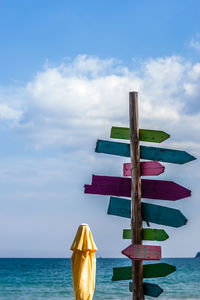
<point x="188" y="157"/>
<point x="193" y="157"/>
<point x="168" y="135"/>
<point x="165" y="136"/>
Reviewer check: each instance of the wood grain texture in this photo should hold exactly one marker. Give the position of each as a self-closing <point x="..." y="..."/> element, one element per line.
<point x="146" y="135"/>
<point x="136" y="194"/>
<point x="151" y="189"/>
<point x="150" y="153"/>
<point x="148" y="234"/>
<point x="150" y="212"/>
<point x="149" y="271"/>
<point x="142" y="252"/>
<point x="147" y="168"/>
<point x="150" y="289"/>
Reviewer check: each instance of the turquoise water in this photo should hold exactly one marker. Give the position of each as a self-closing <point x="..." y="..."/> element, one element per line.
<point x="51" y="279"/>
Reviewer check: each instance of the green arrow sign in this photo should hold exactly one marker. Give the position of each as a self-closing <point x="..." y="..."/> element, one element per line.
<point x="146" y="135"/>
<point x="149" y="271"/>
<point x="148" y="234"/>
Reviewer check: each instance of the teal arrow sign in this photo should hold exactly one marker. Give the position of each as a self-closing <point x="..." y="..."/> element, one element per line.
<point x="150" y="212"/>
<point x="150" y="289"/>
<point x="151" y="153"/>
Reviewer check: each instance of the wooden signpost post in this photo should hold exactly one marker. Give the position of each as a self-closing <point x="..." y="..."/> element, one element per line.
<point x="136" y="195"/>
<point x="137" y="188"/>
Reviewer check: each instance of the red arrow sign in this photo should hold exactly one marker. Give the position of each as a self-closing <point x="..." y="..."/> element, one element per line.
<point x="143" y="252"/>
<point x="147" y="168"/>
<point x="152" y="189"/>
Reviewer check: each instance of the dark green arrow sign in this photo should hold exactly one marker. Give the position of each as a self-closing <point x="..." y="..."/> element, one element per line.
<point x="149" y="271"/>
<point x="146" y="135"/>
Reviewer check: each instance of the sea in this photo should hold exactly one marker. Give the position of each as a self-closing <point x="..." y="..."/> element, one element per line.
<point x="51" y="278"/>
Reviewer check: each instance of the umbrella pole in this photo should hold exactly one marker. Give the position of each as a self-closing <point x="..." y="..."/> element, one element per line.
<point x="136" y="213"/>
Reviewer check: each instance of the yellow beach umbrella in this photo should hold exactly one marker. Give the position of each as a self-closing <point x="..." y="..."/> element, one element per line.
<point x="83" y="263"/>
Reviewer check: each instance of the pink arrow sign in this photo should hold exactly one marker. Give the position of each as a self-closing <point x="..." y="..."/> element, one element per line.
<point x="152" y="189"/>
<point x="147" y="168"/>
<point x="143" y="252"/>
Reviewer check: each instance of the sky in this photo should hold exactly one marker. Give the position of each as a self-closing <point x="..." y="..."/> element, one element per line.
<point x="67" y="68"/>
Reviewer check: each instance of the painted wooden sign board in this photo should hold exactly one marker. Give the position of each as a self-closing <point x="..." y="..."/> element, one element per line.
<point x="150" y="212"/>
<point x="150" y="289"/>
<point x="143" y="252"/>
<point x="148" y="234"/>
<point x="147" y="168"/>
<point x="149" y="271"/>
<point x="149" y="153"/>
<point x="146" y="135"/>
<point x="151" y="189"/>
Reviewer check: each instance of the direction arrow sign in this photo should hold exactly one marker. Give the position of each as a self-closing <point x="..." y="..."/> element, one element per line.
<point x="146" y="135"/>
<point x="163" y="190"/>
<point x="148" y="234"/>
<point x="150" y="212"/>
<point x="149" y="271"/>
<point x="158" y="270"/>
<point x="150" y="289"/>
<point x="147" y="168"/>
<point x="152" y="189"/>
<point x="151" y="153"/>
<point x="143" y="252"/>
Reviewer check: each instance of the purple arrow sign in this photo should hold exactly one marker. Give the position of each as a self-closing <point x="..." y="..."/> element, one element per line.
<point x="152" y="189"/>
<point x="143" y="252"/>
<point x="147" y="168"/>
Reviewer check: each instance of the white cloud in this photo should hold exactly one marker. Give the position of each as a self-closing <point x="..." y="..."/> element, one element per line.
<point x="83" y="98"/>
<point x="8" y="113"/>
<point x="195" y="44"/>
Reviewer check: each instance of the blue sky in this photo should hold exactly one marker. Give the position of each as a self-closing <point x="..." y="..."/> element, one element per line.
<point x="66" y="70"/>
<point x="35" y="31"/>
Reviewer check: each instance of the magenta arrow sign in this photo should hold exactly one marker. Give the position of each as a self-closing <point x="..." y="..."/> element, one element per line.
<point x="152" y="189"/>
<point x="143" y="252"/>
<point x="147" y="168"/>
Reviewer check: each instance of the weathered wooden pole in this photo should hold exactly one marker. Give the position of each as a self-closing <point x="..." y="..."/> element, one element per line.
<point x="136" y="213"/>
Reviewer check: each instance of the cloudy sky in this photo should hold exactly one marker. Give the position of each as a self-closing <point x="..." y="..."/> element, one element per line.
<point x="66" y="70"/>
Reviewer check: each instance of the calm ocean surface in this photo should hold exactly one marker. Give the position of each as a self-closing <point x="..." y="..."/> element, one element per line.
<point x="35" y="279"/>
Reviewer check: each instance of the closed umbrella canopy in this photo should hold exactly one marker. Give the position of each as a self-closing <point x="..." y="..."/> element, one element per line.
<point x="83" y="263"/>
